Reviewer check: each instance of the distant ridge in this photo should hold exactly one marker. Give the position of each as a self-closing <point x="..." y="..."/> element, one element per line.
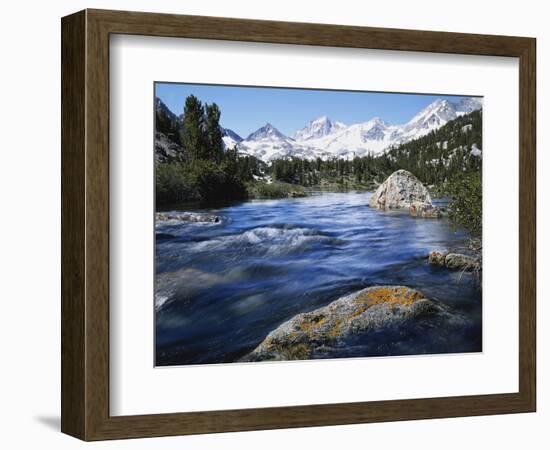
<point x="326" y="138"/>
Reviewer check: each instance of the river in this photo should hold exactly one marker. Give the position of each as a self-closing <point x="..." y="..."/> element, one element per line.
<point x="222" y="287"/>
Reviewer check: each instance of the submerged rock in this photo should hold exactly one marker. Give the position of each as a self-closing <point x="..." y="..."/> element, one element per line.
<point x="400" y="190"/>
<point x="182" y="283"/>
<point x="460" y="261"/>
<point x="437" y="258"/>
<point x="425" y="210"/>
<point x="187" y="217"/>
<point x="369" y="310"/>
<point x="453" y="260"/>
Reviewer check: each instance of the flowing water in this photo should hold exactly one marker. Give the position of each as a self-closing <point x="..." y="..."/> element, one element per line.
<point x="222" y="287"/>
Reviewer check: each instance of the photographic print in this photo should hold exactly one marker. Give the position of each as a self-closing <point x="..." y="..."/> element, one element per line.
<point x="304" y="224"/>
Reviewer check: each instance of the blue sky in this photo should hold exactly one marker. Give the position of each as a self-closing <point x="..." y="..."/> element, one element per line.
<point x="245" y="109"/>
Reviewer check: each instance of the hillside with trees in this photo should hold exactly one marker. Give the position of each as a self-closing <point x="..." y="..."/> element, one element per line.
<point x="436" y="159"/>
<point x="194" y="165"/>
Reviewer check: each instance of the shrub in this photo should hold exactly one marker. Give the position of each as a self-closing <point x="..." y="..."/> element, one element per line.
<point x="465" y="207"/>
<point x="276" y="189"/>
<point x="172" y="184"/>
<point x="213" y="182"/>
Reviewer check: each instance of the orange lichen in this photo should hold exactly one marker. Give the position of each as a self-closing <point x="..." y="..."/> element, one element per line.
<point x="310" y="324"/>
<point x="358" y="312"/>
<point x="334" y="332"/>
<point x="388" y="295"/>
<point x="295" y="352"/>
<point x="292" y="335"/>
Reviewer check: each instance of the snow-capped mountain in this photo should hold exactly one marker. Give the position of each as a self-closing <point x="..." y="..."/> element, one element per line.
<point x="317" y="128"/>
<point x="267" y="143"/>
<point x="468" y="104"/>
<point x="325" y="138"/>
<point x="434" y="116"/>
<point x="354" y="140"/>
<point x="267" y="133"/>
<point x="230" y="138"/>
<point x="430" y="118"/>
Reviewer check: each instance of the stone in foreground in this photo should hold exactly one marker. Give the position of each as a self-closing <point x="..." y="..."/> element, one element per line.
<point x="400" y="190"/>
<point x="374" y="309"/>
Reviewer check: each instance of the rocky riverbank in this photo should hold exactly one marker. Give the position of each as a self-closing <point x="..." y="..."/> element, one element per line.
<point x="187" y="217"/>
<point x="467" y="258"/>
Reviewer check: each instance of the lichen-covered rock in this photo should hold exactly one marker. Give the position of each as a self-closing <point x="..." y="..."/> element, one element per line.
<point x="425" y="210"/>
<point x="187" y="217"/>
<point x="369" y="310"/>
<point x="400" y="190"/>
<point x="460" y="261"/>
<point x="437" y="258"/>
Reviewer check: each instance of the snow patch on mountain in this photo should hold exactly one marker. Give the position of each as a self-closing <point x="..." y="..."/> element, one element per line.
<point x="230" y="138"/>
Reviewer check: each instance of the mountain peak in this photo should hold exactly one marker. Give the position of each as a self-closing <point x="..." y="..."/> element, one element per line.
<point x="320" y="119"/>
<point x="377" y="121"/>
<point x="434" y="115"/>
<point x="161" y="107"/>
<point x="267" y="131"/>
<point x="469" y="104"/>
<point x="317" y="128"/>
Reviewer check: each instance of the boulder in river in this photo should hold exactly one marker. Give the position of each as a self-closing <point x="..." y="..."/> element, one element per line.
<point x="437" y="258"/>
<point x="425" y="210"/>
<point x="454" y="260"/>
<point x="367" y="311"/>
<point x="187" y="217"/>
<point x="460" y="261"/>
<point x="400" y="190"/>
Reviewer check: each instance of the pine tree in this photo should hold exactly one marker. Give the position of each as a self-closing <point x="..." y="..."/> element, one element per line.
<point x="193" y="140"/>
<point x="214" y="133"/>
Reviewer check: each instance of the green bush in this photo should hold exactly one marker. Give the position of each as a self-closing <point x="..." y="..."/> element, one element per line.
<point x="199" y="180"/>
<point x="215" y="182"/>
<point x="173" y="184"/>
<point x="465" y="207"/>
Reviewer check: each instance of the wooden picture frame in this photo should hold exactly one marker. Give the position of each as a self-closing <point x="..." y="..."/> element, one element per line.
<point x="85" y="224"/>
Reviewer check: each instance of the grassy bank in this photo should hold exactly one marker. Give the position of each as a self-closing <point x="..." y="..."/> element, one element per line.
<point x="277" y="189"/>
